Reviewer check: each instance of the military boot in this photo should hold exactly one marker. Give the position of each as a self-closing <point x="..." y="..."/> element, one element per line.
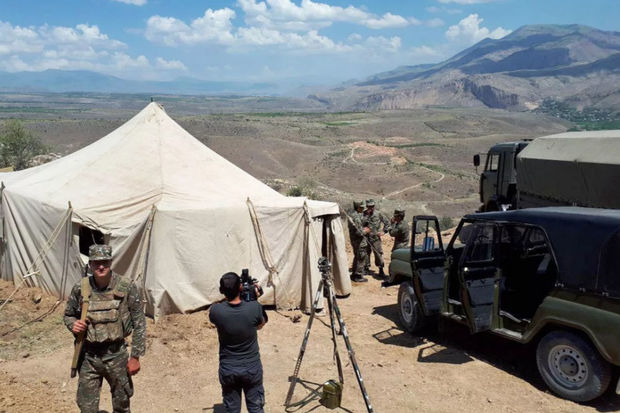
<point x="381" y="273"/>
<point x="358" y="278"/>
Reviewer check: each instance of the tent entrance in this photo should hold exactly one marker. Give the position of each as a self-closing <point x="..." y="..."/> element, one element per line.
<point x="84" y="237"/>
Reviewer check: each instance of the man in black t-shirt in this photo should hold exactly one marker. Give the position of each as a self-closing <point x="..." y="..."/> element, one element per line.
<point x="240" y="367"/>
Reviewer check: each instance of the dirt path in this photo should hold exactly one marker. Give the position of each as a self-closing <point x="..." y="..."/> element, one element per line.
<point x="436" y="181"/>
<point x="433" y="372"/>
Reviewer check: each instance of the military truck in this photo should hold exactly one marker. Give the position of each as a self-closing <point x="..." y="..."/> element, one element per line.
<point x="548" y="276"/>
<point x="573" y="168"/>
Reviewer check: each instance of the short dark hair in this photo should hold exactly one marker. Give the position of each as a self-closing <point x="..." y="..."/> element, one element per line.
<point x="229" y="285"/>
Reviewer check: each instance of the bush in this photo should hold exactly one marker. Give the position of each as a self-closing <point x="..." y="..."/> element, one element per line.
<point x="18" y="146"/>
<point x="445" y="223"/>
<point x="294" y="191"/>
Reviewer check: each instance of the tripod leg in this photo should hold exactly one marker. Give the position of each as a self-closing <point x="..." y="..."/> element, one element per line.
<point x="356" y="368"/>
<point x="302" y="349"/>
<point x="332" y="321"/>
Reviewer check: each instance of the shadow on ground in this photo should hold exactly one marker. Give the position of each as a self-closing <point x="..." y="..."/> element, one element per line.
<point x="217" y="408"/>
<point x="310" y="401"/>
<point x="455" y="345"/>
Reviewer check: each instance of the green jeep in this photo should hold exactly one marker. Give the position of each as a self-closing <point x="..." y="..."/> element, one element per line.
<point x="546" y="275"/>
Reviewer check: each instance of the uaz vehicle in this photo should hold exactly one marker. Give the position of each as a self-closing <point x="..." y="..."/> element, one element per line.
<point x="545" y="275"/>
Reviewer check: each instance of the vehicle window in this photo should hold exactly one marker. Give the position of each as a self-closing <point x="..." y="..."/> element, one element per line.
<point x="536" y="236"/>
<point x="480" y="245"/>
<point x="512" y="234"/>
<point x="425" y="238"/>
<point x="536" y="242"/>
<point x="492" y="162"/>
<point x="463" y="236"/>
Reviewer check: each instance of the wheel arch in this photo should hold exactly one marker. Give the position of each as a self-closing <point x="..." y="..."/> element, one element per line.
<point x="547" y="326"/>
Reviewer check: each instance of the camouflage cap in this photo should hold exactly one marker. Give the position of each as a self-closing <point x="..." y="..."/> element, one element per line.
<point x="99" y="252"/>
<point x="370" y="202"/>
<point x="399" y="212"/>
<point x="358" y="204"/>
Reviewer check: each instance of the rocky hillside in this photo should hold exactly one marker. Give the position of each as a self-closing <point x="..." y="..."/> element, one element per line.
<point x="575" y="64"/>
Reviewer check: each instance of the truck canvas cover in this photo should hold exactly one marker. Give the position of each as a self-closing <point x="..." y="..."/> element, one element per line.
<point x="573" y="168"/>
<point x="585" y="243"/>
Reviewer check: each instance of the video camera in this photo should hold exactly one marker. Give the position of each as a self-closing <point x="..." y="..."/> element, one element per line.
<point x="248" y="292"/>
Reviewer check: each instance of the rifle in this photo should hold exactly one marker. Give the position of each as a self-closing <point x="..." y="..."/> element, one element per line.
<point x="79" y="340"/>
<point x="355" y="225"/>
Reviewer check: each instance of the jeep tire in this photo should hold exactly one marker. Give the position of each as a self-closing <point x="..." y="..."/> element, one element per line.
<point x="572" y="367"/>
<point x="409" y="311"/>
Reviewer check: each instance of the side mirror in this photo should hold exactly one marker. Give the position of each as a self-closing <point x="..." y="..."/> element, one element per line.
<point x="476" y="160"/>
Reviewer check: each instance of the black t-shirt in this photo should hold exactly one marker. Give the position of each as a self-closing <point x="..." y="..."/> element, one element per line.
<point x="236" y="327"/>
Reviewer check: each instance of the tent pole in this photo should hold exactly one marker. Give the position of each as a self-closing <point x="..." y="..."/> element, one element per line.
<point x="144" y="255"/>
<point x="263" y="249"/>
<point x="2" y="236"/>
<point x="68" y="242"/>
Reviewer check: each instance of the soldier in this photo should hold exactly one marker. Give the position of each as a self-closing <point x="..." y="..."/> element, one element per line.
<point x="113" y="312"/>
<point x="359" y="243"/>
<point x="375" y="221"/>
<point x="399" y="229"/>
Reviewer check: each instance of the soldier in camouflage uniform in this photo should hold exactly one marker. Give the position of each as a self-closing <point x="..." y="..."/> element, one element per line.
<point x="114" y="311"/>
<point x="399" y="229"/>
<point x="375" y="220"/>
<point x="359" y="243"/>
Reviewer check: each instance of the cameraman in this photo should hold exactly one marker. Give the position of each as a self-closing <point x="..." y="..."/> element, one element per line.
<point x="240" y="367"/>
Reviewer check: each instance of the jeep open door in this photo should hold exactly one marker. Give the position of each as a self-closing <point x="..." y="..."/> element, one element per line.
<point x="479" y="277"/>
<point x="427" y="263"/>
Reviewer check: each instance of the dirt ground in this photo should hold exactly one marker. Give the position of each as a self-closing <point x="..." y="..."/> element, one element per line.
<point x="448" y="371"/>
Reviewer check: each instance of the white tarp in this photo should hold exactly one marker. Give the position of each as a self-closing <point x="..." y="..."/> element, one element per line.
<point x="176" y="214"/>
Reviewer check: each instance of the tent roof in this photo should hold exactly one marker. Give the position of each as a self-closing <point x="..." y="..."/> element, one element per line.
<point x="148" y="160"/>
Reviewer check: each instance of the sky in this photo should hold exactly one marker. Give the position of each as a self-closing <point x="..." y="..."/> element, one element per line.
<point x="303" y="41"/>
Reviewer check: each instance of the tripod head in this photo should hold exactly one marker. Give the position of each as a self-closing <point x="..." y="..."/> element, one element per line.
<point x="324" y="266"/>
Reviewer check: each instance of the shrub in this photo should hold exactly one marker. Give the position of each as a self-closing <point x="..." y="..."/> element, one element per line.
<point x="294" y="191"/>
<point x="445" y="223"/>
<point x="18" y="146"/>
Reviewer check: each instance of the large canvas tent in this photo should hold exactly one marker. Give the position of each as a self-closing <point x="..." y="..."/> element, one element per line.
<point x="177" y="215"/>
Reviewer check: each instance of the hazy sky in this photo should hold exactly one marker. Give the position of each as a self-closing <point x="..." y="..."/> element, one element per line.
<point x="271" y="40"/>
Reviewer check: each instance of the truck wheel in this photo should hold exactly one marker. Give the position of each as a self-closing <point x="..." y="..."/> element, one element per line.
<point x="409" y="311"/>
<point x="572" y="367"/>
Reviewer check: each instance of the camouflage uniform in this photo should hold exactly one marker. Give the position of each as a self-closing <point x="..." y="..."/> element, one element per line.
<point x="359" y="242"/>
<point x="375" y="221"/>
<point x="400" y="231"/>
<point x="113" y="313"/>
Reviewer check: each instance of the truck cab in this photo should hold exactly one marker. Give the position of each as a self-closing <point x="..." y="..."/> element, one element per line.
<point x="498" y="180"/>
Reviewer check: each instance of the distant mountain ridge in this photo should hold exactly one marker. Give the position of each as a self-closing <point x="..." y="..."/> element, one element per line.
<point x="573" y="63"/>
<point x="60" y="81"/>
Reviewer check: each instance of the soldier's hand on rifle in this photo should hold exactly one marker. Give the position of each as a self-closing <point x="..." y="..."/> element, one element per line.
<point x="366" y="230"/>
<point x="79" y="327"/>
<point x="133" y="366"/>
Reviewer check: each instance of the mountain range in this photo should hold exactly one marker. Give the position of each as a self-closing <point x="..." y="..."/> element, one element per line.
<point x="574" y="64"/>
<point x="571" y="64"/>
<point x="63" y="81"/>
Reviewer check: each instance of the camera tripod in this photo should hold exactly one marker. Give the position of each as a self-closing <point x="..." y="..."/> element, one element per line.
<point x="325" y="288"/>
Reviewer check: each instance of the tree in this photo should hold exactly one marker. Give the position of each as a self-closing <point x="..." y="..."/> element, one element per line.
<point x="18" y="146"/>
